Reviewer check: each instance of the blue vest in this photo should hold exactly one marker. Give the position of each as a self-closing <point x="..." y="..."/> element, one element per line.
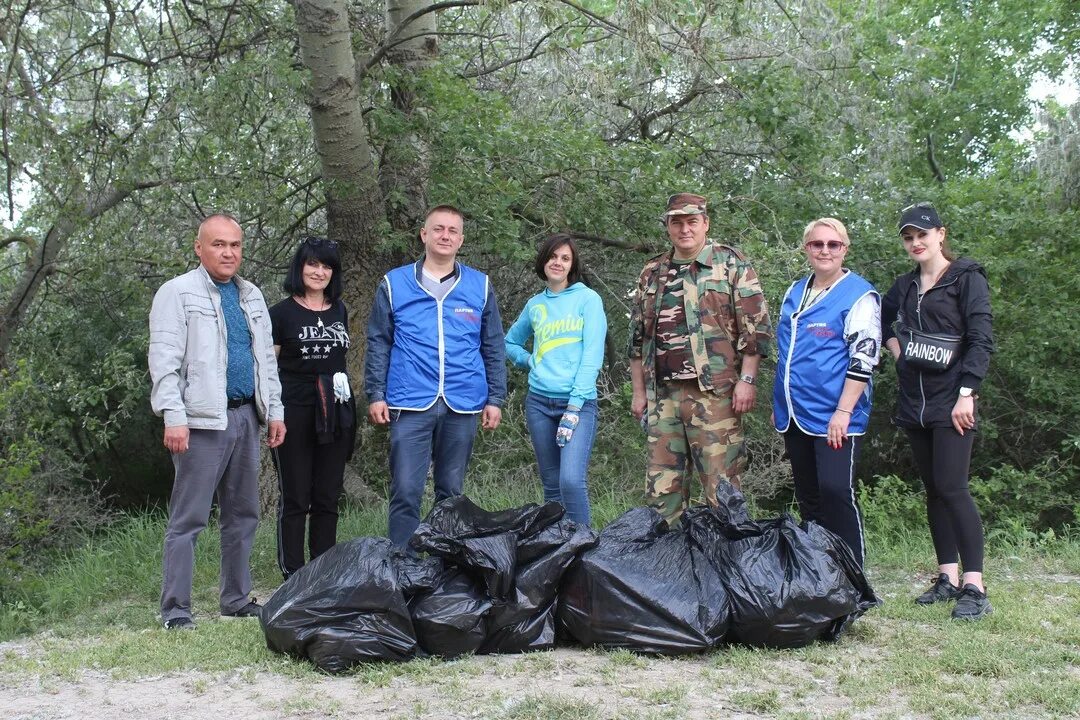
<point x="813" y="358"/>
<point x="436" y="348"/>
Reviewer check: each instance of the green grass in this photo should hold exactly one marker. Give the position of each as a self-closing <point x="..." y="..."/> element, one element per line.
<point x="548" y="707"/>
<point x="758" y="701"/>
<point x="96" y="612"/>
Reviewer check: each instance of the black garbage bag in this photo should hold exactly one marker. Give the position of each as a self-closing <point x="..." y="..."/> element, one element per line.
<point x="417" y="575"/>
<point x="644" y="587"/>
<point x="499" y="590"/>
<point x="344" y="607"/>
<point x="485" y="543"/>
<point x="788" y="585"/>
<point x="451" y="619"/>
<point x="525" y="620"/>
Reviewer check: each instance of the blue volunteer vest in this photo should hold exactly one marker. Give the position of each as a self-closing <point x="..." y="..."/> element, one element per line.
<point x="813" y="358"/>
<point x="436" y="348"/>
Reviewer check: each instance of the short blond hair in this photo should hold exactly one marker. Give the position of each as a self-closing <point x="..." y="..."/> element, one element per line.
<point x="829" y="223"/>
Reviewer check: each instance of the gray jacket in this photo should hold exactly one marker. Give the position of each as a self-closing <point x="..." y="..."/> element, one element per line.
<point x="188" y="353"/>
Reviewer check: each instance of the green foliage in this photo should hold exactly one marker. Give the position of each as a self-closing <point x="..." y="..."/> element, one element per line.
<point x="1057" y="154"/>
<point x="22" y="521"/>
<point x="1031" y="503"/>
<point x="891" y="508"/>
<point x="778" y="114"/>
<point x="44" y="503"/>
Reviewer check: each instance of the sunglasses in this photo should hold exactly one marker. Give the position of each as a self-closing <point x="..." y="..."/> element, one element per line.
<point x="921" y="205"/>
<point x="819" y="245"/>
<point x="317" y="241"/>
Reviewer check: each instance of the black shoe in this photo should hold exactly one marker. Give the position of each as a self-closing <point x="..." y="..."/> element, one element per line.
<point x="251" y="610"/>
<point x="180" y="623"/>
<point x="941" y="591"/>
<point x="972" y="604"/>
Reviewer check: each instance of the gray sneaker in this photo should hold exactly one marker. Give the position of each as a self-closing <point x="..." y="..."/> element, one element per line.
<point x="180" y="623"/>
<point x="251" y="610"/>
<point x="941" y="591"/>
<point x="972" y="604"/>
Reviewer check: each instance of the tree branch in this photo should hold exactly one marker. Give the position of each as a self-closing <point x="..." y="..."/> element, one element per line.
<point x="612" y="242"/>
<point x="25" y="240"/>
<point x="593" y="16"/>
<point x="938" y="175"/>
<point x="393" y="40"/>
<point x="513" y="61"/>
<point x="41" y="262"/>
<point x="697" y="89"/>
<point x="645" y="120"/>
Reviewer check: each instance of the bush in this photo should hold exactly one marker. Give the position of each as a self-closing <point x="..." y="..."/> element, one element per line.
<point x="45" y="502"/>
<point x="892" y="507"/>
<point x="1045" y="497"/>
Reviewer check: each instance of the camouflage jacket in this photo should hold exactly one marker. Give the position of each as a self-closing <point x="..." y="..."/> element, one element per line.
<point x="725" y="310"/>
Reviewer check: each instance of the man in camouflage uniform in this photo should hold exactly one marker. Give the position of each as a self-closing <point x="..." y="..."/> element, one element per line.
<point x="698" y="328"/>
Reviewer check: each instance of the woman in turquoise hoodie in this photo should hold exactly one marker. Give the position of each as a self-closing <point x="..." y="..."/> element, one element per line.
<point x="567" y="327"/>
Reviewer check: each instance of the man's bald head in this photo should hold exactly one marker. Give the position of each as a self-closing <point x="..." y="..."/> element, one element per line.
<point x="219" y="246"/>
<point x="217" y="222"/>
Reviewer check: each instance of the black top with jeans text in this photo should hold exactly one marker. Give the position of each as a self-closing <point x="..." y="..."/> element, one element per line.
<point x="310" y="464"/>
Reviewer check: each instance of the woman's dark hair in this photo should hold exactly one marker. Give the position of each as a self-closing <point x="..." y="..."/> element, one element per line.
<point x="553" y="243"/>
<point x="320" y="250"/>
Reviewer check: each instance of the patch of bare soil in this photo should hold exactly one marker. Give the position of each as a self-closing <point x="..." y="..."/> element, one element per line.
<point x="564" y="683"/>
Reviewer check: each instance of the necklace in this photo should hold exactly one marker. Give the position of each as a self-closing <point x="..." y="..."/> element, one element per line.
<point x="813" y="292"/>
<point x="303" y="301"/>
<point x="937" y="277"/>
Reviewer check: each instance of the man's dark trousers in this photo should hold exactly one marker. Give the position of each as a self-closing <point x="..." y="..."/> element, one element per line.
<point x="225" y="461"/>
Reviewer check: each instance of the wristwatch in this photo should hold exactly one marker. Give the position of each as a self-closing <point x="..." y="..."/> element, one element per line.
<point x="966" y="392"/>
<point x="748" y="379"/>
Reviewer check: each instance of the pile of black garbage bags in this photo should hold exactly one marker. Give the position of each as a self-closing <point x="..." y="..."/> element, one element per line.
<point x="519" y="580"/>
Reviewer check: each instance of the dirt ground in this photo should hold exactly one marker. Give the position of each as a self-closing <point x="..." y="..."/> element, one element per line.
<point x="564" y="683"/>
<point x="858" y="678"/>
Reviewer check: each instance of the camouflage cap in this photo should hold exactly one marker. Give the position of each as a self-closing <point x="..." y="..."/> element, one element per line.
<point x="685" y="204"/>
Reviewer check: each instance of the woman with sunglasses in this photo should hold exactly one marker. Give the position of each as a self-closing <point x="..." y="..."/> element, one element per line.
<point x="311" y="335"/>
<point x="566" y="326"/>
<point x="942" y="341"/>
<point x="828" y="340"/>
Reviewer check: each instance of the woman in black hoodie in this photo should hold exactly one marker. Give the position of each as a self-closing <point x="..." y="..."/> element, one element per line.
<point x="942" y="342"/>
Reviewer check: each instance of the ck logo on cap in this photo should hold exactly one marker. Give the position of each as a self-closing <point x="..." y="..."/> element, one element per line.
<point x="925" y="217"/>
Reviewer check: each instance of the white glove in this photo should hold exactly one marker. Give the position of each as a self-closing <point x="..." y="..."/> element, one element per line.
<point x="342" y="391"/>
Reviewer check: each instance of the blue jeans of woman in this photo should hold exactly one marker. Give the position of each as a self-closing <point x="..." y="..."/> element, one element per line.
<point x="563" y="471"/>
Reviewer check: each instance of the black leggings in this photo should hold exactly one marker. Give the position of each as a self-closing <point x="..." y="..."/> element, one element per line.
<point x="310" y="478"/>
<point x="825" y="485"/>
<point x="944" y="457"/>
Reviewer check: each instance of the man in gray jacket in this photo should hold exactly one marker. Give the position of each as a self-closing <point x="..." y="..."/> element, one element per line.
<point x="215" y="380"/>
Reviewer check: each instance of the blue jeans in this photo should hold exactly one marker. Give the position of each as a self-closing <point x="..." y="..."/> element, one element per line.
<point x="418" y="439"/>
<point x="563" y="470"/>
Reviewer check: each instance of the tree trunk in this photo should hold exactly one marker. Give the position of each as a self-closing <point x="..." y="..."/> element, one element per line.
<point x="406" y="163"/>
<point x="354" y="199"/>
<point x="356" y="214"/>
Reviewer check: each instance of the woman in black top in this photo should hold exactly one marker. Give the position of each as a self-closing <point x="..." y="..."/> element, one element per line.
<point x="311" y="335"/>
<point x="942" y="343"/>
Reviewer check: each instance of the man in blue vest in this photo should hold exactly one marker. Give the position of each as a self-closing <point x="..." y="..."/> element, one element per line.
<point x="434" y="362"/>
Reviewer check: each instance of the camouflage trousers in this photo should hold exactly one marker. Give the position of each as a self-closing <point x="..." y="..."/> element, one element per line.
<point x="691" y="432"/>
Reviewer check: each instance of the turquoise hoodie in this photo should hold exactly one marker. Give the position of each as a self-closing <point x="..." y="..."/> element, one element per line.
<point x="567" y="329"/>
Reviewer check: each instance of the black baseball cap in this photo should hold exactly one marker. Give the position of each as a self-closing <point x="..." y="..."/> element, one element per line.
<point x="921" y="215"/>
